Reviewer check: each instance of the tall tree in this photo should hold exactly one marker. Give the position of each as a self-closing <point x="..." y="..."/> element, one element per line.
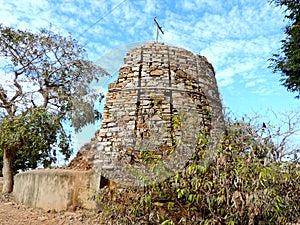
<point x="288" y="60"/>
<point x="45" y="81"/>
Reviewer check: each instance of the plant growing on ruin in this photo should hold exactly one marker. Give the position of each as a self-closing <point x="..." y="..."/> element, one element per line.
<point x="250" y="181"/>
<point x="45" y="82"/>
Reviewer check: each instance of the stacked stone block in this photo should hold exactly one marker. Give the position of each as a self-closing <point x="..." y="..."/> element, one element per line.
<point x="159" y="89"/>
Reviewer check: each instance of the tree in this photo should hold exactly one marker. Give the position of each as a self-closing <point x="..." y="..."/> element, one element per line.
<point x="288" y="60"/>
<point x="45" y="82"/>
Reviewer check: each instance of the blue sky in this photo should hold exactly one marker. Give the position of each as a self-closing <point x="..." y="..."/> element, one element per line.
<point x="237" y="36"/>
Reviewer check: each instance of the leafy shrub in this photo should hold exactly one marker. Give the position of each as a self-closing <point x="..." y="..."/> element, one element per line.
<point x="248" y="182"/>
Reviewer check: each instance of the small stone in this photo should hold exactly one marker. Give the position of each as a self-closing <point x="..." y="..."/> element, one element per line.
<point x="43" y="218"/>
<point x="156" y="72"/>
<point x="70" y="214"/>
<point x="141" y="125"/>
<point x="112" y="85"/>
<point x="8" y="203"/>
<point x="108" y="120"/>
<point x="108" y="167"/>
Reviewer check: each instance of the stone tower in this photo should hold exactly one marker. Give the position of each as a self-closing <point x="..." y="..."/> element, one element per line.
<point x="163" y="97"/>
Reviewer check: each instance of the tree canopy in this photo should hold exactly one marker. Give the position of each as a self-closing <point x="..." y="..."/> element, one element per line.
<point x="287" y="61"/>
<point x="37" y="136"/>
<point x="45" y="81"/>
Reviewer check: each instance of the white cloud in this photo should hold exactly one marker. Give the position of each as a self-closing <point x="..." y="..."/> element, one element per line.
<point x="226" y="82"/>
<point x="188" y="5"/>
<point x="250" y="84"/>
<point x="203" y="5"/>
<point x="150" y="6"/>
<point x="265" y="91"/>
<point x="237" y="36"/>
<point x="256" y="82"/>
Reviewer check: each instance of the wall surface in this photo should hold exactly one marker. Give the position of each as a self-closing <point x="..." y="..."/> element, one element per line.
<point x="56" y="189"/>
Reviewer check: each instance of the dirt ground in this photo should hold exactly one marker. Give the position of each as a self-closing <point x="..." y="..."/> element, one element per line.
<point x="16" y="214"/>
<point x="12" y="213"/>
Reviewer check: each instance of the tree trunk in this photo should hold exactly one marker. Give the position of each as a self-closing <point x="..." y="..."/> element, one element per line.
<point x="7" y="171"/>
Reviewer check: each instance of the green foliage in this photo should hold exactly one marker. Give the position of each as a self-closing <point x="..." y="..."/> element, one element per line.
<point x="37" y="135"/>
<point x="288" y="60"/>
<point x="245" y="184"/>
<point x="47" y="83"/>
<point x="55" y="67"/>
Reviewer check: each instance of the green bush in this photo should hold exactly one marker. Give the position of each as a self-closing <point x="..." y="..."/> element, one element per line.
<point x="248" y="182"/>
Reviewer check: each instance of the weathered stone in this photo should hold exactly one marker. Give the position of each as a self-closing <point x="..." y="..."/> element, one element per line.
<point x="141" y="125"/>
<point x="125" y="70"/>
<point x="156" y="72"/>
<point x="101" y="134"/>
<point x="157" y="83"/>
<point x="108" y="120"/>
<point x="112" y="85"/>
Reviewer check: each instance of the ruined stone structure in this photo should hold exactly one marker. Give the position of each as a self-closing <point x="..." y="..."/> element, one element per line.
<point x="163" y="97"/>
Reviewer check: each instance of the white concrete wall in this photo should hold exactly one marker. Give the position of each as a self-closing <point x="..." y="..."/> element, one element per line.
<point x="56" y="189"/>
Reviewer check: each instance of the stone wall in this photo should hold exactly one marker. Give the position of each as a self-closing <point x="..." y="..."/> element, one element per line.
<point x="162" y="98"/>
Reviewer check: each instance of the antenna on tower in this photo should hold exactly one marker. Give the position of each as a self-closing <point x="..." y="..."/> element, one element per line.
<point x="158" y="27"/>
